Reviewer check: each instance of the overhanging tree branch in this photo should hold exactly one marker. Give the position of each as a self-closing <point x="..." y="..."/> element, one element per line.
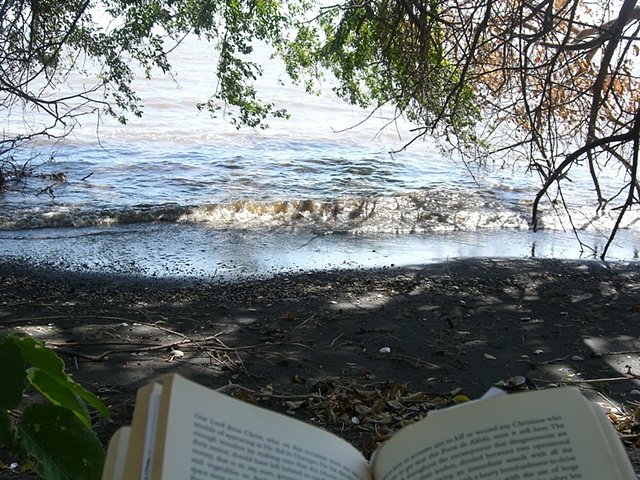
<point x="571" y="159"/>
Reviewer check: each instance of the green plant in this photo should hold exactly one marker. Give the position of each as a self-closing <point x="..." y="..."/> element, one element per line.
<point x="54" y="437"/>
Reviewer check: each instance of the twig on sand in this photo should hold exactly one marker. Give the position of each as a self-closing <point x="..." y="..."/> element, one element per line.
<point x="275" y="396"/>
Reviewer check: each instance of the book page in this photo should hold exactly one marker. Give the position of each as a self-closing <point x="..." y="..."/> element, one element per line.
<point x="153" y="407"/>
<point x="117" y="451"/>
<point x="208" y="436"/>
<point x="551" y="434"/>
<point x="138" y="447"/>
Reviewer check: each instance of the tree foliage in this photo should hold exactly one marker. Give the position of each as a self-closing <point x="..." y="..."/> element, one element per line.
<point x="44" y="42"/>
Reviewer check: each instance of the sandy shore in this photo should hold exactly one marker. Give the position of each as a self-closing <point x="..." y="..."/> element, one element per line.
<point x="453" y="327"/>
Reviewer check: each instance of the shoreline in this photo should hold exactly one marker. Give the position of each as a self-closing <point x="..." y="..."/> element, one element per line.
<point x="481" y="268"/>
<point x="203" y="254"/>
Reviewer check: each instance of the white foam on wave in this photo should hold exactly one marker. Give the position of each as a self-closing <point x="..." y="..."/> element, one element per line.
<point x="428" y="211"/>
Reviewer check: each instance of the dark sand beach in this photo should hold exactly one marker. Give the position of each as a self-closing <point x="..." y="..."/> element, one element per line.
<point x="447" y="329"/>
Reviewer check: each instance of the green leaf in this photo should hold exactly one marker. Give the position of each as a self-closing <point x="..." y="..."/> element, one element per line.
<point x="47" y="361"/>
<point x="12" y="374"/>
<point x="64" y="447"/>
<point x="37" y="354"/>
<point x="59" y="394"/>
<point x="88" y="397"/>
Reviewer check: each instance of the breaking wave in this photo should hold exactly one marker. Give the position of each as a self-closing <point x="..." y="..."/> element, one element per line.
<point x="435" y="210"/>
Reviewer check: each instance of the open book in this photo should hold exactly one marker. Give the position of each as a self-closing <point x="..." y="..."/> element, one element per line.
<point x="182" y="430"/>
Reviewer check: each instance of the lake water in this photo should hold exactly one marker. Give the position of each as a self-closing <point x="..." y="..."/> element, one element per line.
<point x="179" y="193"/>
